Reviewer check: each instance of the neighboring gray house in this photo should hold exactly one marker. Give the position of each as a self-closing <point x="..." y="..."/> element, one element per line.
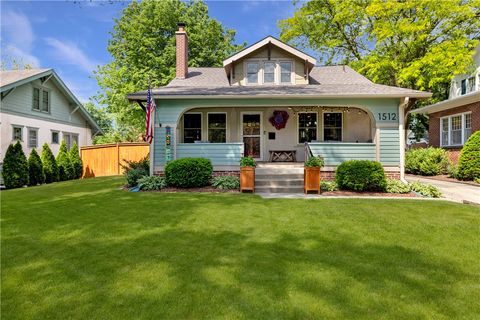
<point x="37" y="107"/>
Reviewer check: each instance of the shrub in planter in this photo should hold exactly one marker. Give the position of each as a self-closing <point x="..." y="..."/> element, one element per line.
<point x="35" y="169"/>
<point x="425" y="189"/>
<point x="396" y="186"/>
<point x="428" y="162"/>
<point x="50" y="167"/>
<point x="314" y="162"/>
<point x="65" y="168"/>
<point x="188" y="172"/>
<point x="226" y="182"/>
<point x="76" y="161"/>
<point x="151" y="183"/>
<point x="15" y="167"/>
<point x="247" y="162"/>
<point x="469" y="162"/>
<point x="361" y="175"/>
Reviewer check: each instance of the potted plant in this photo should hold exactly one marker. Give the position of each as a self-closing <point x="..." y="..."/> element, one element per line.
<point x="311" y="172"/>
<point x="247" y="174"/>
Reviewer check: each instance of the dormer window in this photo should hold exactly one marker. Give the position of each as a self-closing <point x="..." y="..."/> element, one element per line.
<point x="285" y="72"/>
<point x="269" y="72"/>
<point x="252" y="72"/>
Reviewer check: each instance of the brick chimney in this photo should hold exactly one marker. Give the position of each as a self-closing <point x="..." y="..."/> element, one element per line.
<point x="182" y="51"/>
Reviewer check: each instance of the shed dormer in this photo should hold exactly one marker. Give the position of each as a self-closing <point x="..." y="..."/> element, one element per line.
<point x="269" y="62"/>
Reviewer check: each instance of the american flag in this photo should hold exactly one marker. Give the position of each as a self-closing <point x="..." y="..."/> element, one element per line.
<point x="148" y="117"/>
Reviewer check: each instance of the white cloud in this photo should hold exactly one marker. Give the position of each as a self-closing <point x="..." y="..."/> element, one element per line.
<point x="68" y="52"/>
<point x="21" y="57"/>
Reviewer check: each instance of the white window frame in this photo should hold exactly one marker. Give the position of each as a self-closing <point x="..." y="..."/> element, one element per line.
<point x="449" y="117"/>
<point x="226" y="125"/>
<point x="29" y="129"/>
<point x="201" y="126"/>
<point x="259" y="72"/>
<point x="261" y="68"/>
<point x="275" y="69"/>
<point x="298" y="126"/>
<point x="323" y="125"/>
<point x="292" y="72"/>
<point x="14" y="126"/>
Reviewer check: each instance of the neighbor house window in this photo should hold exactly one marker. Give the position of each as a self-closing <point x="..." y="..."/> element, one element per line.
<point x="45" y="101"/>
<point x="455" y="129"/>
<point x="217" y="127"/>
<point x="36" y="99"/>
<point x="471" y="84"/>
<point x="41" y="100"/>
<point x="192" y="127"/>
<point x="464" y="86"/>
<point x="55" y="137"/>
<point x="285" y="72"/>
<point x="252" y="72"/>
<point x="307" y="127"/>
<point x="32" y="137"/>
<point x="269" y="72"/>
<point x="332" y="126"/>
<point x="17" y="133"/>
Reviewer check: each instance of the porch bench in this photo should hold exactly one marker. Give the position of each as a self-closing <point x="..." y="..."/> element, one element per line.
<point x="283" y="156"/>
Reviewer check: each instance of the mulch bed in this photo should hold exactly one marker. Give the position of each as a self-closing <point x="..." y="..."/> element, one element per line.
<point x="368" y="194"/>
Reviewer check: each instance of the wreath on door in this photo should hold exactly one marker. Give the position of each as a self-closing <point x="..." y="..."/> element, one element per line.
<point x="279" y="119"/>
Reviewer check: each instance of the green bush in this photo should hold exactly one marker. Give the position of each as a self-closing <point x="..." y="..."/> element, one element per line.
<point x="396" y="186"/>
<point x="15" y="167"/>
<point x="189" y="172"/>
<point x="328" y="186"/>
<point x="469" y="162"/>
<point x="226" y="182"/>
<point x="133" y="175"/>
<point x="151" y="183"/>
<point x="50" y="167"/>
<point x="452" y="171"/>
<point x="76" y="161"/>
<point x="316" y="162"/>
<point x="65" y="168"/>
<point x="247" y="162"/>
<point x="428" y="162"/>
<point x="35" y="169"/>
<point x="361" y="175"/>
<point x="425" y="189"/>
<point x="143" y="163"/>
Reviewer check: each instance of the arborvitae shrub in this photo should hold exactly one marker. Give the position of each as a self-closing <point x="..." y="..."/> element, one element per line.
<point x="15" y="167"/>
<point x="50" y="167"/>
<point x="188" y="172"/>
<point x="65" y="168"/>
<point x="35" y="169"/>
<point x="469" y="162"/>
<point x="76" y="161"/>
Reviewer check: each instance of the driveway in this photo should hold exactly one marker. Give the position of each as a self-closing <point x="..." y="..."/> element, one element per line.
<point x="457" y="192"/>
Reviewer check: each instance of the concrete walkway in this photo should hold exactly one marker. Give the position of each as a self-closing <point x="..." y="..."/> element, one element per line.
<point x="457" y="192"/>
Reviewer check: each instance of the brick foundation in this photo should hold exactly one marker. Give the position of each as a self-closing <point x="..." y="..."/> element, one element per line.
<point x="454" y="155"/>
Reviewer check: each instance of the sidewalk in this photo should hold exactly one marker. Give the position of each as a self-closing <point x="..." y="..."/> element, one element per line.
<point x="457" y="192"/>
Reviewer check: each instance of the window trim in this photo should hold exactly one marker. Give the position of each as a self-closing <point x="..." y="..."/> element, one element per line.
<point x="13" y="132"/>
<point x="298" y="126"/>
<point x="323" y="125"/>
<point x="40" y="101"/>
<point x="201" y="126"/>
<point x="226" y="125"/>
<point x="51" y="136"/>
<point x="28" y="137"/>
<point x="449" y="117"/>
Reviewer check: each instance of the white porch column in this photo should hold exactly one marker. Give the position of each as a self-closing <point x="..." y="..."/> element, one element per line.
<point x="401" y="131"/>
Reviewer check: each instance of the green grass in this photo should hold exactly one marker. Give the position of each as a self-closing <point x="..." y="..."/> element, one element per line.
<point x="88" y="250"/>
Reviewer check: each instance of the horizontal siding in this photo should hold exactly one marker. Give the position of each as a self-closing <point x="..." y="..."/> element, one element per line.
<point x="225" y="154"/>
<point x="159" y="146"/>
<point x="336" y="153"/>
<point x="389" y="146"/>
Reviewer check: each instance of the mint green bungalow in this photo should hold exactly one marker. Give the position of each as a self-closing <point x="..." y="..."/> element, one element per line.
<point x="272" y="102"/>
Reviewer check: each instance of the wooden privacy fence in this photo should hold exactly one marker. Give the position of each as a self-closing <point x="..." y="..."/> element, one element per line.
<point x="106" y="159"/>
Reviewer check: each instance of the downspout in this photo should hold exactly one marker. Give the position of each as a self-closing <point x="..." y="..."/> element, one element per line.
<point x="401" y="131"/>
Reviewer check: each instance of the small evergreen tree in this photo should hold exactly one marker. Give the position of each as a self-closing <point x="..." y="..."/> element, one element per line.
<point x="76" y="161"/>
<point x="65" y="169"/>
<point x="35" y="169"/>
<point x="15" y="167"/>
<point x="50" y="167"/>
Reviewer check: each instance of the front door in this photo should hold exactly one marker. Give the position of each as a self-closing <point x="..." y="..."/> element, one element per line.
<point x="252" y="134"/>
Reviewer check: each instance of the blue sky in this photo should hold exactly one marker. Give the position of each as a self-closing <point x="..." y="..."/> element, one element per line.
<point x="72" y="36"/>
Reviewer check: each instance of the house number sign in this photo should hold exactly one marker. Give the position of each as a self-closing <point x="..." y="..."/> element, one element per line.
<point x="387" y="116"/>
<point x="168" y="143"/>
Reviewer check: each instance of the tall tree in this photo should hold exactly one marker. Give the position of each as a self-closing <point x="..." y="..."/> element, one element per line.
<point x="142" y="45"/>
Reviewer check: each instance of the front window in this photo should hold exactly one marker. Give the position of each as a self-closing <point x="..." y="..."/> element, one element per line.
<point x="252" y="72"/>
<point x="471" y="84"/>
<point x="307" y="127"/>
<point x="332" y="126"/>
<point x="285" y="72"/>
<point x="456" y="129"/>
<point x="269" y="72"/>
<point x="192" y="127"/>
<point x="32" y="138"/>
<point x="217" y="127"/>
<point x="17" y="133"/>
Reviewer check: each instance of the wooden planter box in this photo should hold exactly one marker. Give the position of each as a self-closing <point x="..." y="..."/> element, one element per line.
<point x="311" y="179"/>
<point x="247" y="179"/>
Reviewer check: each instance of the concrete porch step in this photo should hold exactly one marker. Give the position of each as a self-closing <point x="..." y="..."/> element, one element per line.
<point x="263" y="189"/>
<point x="279" y="183"/>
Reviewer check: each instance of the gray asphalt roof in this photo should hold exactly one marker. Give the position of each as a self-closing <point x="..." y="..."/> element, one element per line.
<point x="12" y="76"/>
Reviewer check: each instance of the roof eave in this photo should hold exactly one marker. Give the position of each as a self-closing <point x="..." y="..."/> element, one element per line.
<point x="451" y="103"/>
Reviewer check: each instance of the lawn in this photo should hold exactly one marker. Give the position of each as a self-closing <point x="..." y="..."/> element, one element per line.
<point x="88" y="250"/>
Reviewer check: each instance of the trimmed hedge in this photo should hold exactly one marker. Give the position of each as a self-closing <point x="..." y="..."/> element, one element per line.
<point x="189" y="172"/>
<point x="361" y="175"/>
<point x="15" y="167"/>
<point x="50" y="167"/>
<point x="76" y="161"/>
<point x="35" y="169"/>
<point x="65" y="168"/>
<point x="427" y="162"/>
<point x="469" y="162"/>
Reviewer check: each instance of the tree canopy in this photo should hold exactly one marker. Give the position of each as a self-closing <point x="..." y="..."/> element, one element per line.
<point x="142" y="46"/>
